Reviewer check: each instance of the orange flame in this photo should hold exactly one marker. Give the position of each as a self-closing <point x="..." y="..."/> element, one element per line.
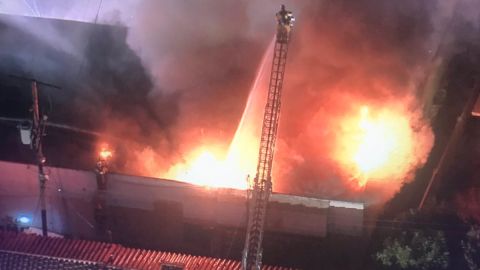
<point x="105" y="153"/>
<point x="206" y="169"/>
<point x="377" y="146"/>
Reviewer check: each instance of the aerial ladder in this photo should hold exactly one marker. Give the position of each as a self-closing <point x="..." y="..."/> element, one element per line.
<point x="261" y="189"/>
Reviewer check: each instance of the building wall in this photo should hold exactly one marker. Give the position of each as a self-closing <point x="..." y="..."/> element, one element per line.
<point x="147" y="210"/>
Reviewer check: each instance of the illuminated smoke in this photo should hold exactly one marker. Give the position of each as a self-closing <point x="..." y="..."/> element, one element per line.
<point x="338" y="67"/>
<point x="346" y="56"/>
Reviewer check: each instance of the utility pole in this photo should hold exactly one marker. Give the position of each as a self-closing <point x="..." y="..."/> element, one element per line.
<point x="453" y="141"/>
<point x="38" y="131"/>
<point x="100" y="208"/>
<point x="36" y="135"/>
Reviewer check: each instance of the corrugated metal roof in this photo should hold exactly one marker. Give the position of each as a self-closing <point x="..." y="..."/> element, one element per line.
<point x="111" y="254"/>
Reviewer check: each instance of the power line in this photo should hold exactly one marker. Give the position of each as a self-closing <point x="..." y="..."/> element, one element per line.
<point x="62" y="126"/>
<point x="30" y="7"/>
<point x="98" y="11"/>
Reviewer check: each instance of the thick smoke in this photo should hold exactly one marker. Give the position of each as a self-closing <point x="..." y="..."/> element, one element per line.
<point x="104" y="85"/>
<point x="343" y="55"/>
<point x="208" y="59"/>
<point x="346" y="55"/>
<point x="187" y="79"/>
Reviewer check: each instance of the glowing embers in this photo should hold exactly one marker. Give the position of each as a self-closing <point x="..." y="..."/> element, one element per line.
<point x="377" y="145"/>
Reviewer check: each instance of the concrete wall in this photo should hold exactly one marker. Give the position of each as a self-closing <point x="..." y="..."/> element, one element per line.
<point x="143" y="209"/>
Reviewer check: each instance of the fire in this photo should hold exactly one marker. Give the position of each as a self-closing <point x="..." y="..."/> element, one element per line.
<point x="377" y="146"/>
<point x="375" y="143"/>
<point x="105" y="153"/>
<point x="206" y="169"/>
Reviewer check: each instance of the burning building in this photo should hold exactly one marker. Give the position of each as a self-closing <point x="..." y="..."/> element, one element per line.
<point x="187" y="105"/>
<point x="210" y="211"/>
<point x="163" y="126"/>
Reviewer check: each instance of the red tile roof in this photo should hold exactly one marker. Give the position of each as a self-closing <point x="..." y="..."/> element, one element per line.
<point x="25" y="261"/>
<point x="111" y="254"/>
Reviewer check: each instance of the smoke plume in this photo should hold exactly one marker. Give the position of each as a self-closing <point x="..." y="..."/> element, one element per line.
<point x="343" y="55"/>
<point x="347" y="55"/>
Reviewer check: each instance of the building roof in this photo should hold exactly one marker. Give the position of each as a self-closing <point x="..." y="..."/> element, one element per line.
<point x="17" y="260"/>
<point x="93" y="254"/>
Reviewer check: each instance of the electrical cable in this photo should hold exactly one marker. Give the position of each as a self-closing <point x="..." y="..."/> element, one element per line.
<point x="30" y="7"/>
